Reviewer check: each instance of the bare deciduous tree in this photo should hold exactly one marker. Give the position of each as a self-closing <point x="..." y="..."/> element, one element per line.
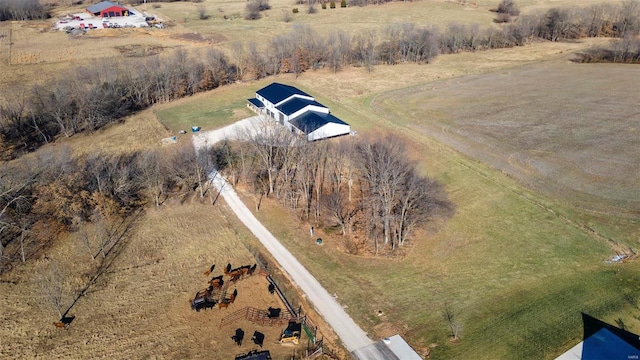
<point x="452" y="322"/>
<point x="52" y="280"/>
<point x="381" y="167"/>
<point x="271" y="144"/>
<point x="508" y="7"/>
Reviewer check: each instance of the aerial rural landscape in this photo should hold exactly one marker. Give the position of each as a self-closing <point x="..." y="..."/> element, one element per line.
<point x="303" y="179"/>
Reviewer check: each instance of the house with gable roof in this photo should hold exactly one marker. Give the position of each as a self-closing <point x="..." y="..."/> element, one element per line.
<point x="298" y="111"/>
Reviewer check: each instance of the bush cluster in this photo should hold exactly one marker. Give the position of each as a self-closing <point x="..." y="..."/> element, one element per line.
<point x="508" y="7"/>
<point x="254" y="7"/>
<point x="85" y="101"/>
<point x="23" y="10"/>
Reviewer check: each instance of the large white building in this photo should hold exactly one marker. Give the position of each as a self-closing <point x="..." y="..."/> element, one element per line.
<point x="298" y="111"/>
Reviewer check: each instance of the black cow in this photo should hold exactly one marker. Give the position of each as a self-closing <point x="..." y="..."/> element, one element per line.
<point x="274" y="312"/>
<point x="258" y="338"/>
<point x="238" y="337"/>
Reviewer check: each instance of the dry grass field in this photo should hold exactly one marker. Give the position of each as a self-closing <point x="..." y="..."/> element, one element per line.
<point x="135" y="133"/>
<point x="569" y="130"/>
<point x="140" y="307"/>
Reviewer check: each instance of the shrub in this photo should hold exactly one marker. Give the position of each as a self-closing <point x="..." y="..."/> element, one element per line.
<point x="502" y="18"/>
<point x="202" y="13"/>
<point x="23" y="10"/>
<point x="295" y="10"/>
<point x="253" y="10"/>
<point x="332" y="4"/>
<point x="263" y="4"/>
<point x="343" y="4"/>
<point x="508" y="7"/>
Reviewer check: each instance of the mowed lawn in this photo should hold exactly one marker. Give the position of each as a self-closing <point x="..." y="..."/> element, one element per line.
<point x="210" y="110"/>
<point x="515" y="267"/>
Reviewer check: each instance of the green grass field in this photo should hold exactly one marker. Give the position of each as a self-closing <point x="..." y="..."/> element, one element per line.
<point x="515" y="266"/>
<point x="209" y="111"/>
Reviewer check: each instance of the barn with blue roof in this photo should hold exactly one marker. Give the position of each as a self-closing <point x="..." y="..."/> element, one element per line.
<point x="298" y="111"/>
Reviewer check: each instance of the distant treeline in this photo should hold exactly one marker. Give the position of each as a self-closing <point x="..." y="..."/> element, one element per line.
<point x="625" y="51"/>
<point x="23" y="10"/>
<point x="89" y="98"/>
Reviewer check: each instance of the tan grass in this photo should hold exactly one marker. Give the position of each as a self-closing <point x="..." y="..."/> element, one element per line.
<point x="140" y="308"/>
<point x="38" y="50"/>
<point x="139" y="132"/>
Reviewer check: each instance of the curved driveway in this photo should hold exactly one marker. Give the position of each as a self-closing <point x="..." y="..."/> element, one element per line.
<point x="351" y="335"/>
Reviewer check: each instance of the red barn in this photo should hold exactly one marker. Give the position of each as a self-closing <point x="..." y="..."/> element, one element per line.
<point x="108" y="9"/>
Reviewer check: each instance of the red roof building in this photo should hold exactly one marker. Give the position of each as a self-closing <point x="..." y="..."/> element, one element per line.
<point x="108" y="9"/>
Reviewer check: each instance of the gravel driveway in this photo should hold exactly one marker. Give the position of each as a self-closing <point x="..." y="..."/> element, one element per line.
<point x="351" y="335"/>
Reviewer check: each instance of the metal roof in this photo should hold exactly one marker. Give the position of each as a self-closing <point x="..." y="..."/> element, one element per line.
<point x="312" y="121"/>
<point x="256" y="102"/>
<point x="277" y="92"/>
<point x="96" y="8"/>
<point x="375" y="351"/>
<point x="296" y="104"/>
<point x="391" y="348"/>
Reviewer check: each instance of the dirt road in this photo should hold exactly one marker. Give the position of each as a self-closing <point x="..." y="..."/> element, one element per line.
<point x="352" y="336"/>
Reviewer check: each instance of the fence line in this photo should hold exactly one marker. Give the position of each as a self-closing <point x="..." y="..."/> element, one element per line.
<point x="257" y="316"/>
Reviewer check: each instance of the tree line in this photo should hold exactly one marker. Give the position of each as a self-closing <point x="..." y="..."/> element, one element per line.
<point x="364" y="188"/>
<point x="50" y="193"/>
<point x="625" y="51"/>
<point x="367" y="189"/>
<point x="23" y="10"/>
<point x="91" y="97"/>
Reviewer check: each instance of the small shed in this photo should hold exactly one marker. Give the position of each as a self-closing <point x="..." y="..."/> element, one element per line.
<point x="107" y="9"/>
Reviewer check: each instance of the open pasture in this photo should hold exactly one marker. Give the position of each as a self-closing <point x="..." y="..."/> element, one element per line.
<point x="352" y="20"/>
<point x="568" y="130"/>
<point x="140" y="307"/>
<point x="38" y="52"/>
<point x="515" y="277"/>
<point x="226" y="18"/>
